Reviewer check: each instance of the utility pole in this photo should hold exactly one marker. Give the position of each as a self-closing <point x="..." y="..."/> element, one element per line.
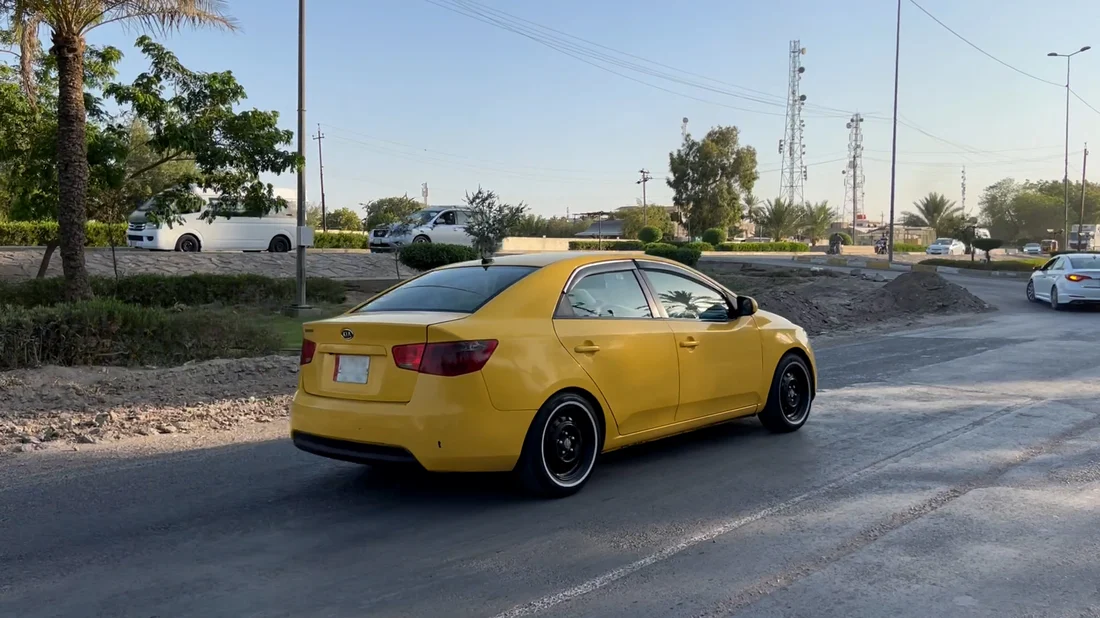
<point x="321" y="167"/>
<point x="645" y="207"/>
<point x="894" y="139"/>
<point x="300" y="262"/>
<point x="1081" y="226"/>
<point x="424" y="193"/>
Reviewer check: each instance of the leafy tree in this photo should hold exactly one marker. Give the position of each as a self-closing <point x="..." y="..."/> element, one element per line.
<point x="344" y="219"/>
<point x="634" y="218"/>
<point x="490" y="220"/>
<point x="998" y="209"/>
<point x="778" y="219"/>
<point x="390" y="210"/>
<point x="313" y="216"/>
<point x="937" y="212"/>
<point x="70" y="21"/>
<point x="816" y="220"/>
<point x="709" y="178"/>
<point x="537" y="226"/>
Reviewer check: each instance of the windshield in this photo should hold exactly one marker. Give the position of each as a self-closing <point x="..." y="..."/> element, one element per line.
<point x="1085" y="262"/>
<point x="424" y="217"/>
<point x="461" y="290"/>
<point x="944" y="241"/>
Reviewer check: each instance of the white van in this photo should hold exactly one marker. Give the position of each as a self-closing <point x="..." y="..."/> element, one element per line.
<point x="274" y="232"/>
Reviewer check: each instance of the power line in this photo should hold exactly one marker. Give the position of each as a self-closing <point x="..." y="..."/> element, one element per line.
<point x="1084" y="101"/>
<point x="985" y="53"/>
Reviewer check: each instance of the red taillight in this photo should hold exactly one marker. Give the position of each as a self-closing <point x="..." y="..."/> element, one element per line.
<point x="453" y="358"/>
<point x="1075" y="278"/>
<point x="309" y="348"/>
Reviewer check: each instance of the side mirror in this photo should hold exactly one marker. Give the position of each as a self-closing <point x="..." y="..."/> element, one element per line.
<point x="746" y="306"/>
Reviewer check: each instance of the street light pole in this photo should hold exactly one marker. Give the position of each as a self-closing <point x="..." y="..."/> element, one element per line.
<point x="1065" y="175"/>
<point x="300" y="303"/>
<point x="894" y="145"/>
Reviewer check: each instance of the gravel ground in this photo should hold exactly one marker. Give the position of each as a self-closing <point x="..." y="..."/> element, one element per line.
<point x="66" y="407"/>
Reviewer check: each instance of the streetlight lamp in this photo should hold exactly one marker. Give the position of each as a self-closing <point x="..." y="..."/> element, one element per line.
<point x="1065" y="175"/>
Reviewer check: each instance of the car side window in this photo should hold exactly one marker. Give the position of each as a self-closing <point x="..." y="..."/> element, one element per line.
<point x="461" y="218"/>
<point x="1050" y="264"/>
<point x="616" y="294"/>
<point x="686" y="299"/>
<point x="447" y="218"/>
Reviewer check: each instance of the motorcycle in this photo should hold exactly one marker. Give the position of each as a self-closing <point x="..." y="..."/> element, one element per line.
<point x="880" y="247"/>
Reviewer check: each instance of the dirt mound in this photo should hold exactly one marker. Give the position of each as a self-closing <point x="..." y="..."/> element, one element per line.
<point x="921" y="292"/>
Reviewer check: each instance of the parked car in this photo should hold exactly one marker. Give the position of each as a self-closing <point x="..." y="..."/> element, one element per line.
<point x="946" y="246"/>
<point x="275" y="232"/>
<point x="1070" y="279"/>
<point x="443" y="225"/>
<point x="1033" y="248"/>
<point x="538" y="363"/>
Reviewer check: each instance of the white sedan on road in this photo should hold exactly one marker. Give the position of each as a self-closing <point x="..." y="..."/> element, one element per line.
<point x="1070" y="279"/>
<point x="946" y="246"/>
<point x="1033" y="248"/>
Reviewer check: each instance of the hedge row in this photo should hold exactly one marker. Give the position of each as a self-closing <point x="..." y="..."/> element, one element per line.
<point x="426" y="256"/>
<point x="169" y="291"/>
<point x="685" y="255"/>
<point x="110" y="332"/>
<point x="902" y="247"/>
<point x="999" y="265"/>
<point x="38" y="233"/>
<point x="637" y="245"/>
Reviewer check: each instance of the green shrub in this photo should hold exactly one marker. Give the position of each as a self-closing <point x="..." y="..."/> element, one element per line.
<point x="765" y="247"/>
<point x="606" y="245"/>
<point x="714" y="236"/>
<point x="1000" y="265"/>
<point x="169" y="291"/>
<point x="426" y="256"/>
<point x="683" y="255"/>
<point x="340" y="240"/>
<point x="699" y="246"/>
<point x="903" y="247"/>
<point x="649" y="234"/>
<point x="38" y="233"/>
<point x="845" y="238"/>
<point x="109" y="332"/>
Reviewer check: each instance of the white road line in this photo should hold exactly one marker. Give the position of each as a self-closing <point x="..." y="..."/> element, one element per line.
<point x="539" y="605"/>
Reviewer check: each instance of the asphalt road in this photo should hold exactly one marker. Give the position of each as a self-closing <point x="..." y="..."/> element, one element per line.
<point x="938" y="476"/>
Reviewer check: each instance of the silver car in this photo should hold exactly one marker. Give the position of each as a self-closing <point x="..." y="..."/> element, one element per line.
<point x="443" y="225"/>
<point x="1070" y="279"/>
<point x="946" y="246"/>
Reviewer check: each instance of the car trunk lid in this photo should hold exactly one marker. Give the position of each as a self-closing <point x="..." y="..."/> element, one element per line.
<point x="353" y="357"/>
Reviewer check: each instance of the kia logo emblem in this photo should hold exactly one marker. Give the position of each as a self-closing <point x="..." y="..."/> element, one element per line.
<point x="346" y="333"/>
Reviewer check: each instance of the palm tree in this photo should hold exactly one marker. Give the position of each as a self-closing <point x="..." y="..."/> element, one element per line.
<point x="935" y="211"/>
<point x="778" y="219"/>
<point x="816" y="219"/>
<point x="693" y="305"/>
<point x="70" y="21"/>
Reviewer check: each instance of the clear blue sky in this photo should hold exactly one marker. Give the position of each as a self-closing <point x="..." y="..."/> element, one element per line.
<point x="403" y="86"/>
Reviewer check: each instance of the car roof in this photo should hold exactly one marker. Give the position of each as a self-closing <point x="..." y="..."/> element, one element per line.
<point x="1092" y="256"/>
<point x="565" y="258"/>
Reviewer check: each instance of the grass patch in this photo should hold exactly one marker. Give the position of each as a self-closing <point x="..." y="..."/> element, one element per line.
<point x="1026" y="265"/>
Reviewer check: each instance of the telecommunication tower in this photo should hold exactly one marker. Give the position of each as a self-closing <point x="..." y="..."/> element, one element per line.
<point x="853" y="172"/>
<point x="964" y="191"/>
<point x="684" y="128"/>
<point x="791" y="147"/>
<point x="424" y="193"/>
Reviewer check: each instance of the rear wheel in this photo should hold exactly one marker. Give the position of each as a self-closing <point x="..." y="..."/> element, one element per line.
<point x="561" y="447"/>
<point x="790" y="397"/>
<point x="1054" y="298"/>
<point x="188" y="244"/>
<point x="1031" y="291"/>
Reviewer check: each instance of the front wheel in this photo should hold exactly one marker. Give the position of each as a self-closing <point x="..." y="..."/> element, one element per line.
<point x="1030" y="291"/>
<point x="421" y="239"/>
<point x="790" y="398"/>
<point x="561" y="447"/>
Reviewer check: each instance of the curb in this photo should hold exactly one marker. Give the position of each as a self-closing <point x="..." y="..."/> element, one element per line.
<point x="883" y="265"/>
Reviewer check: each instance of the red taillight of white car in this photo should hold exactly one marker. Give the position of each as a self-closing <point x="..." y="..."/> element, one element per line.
<point x="453" y="358"/>
<point x="1077" y="278"/>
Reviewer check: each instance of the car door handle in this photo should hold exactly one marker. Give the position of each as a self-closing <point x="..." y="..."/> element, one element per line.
<point x="690" y="343"/>
<point x="586" y="349"/>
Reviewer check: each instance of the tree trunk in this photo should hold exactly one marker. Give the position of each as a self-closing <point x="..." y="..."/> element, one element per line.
<point x="51" y="246"/>
<point x="72" y="163"/>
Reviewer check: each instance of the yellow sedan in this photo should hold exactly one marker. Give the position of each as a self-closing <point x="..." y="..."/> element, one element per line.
<point x="538" y="363"/>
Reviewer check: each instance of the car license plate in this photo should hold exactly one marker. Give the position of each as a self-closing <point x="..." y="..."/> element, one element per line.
<point x="352" y="369"/>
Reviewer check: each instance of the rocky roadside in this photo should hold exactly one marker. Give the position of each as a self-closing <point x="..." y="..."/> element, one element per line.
<point x="63" y="407"/>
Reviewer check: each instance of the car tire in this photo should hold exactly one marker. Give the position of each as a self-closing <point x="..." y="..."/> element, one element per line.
<point x="1054" y="304"/>
<point x="188" y="244"/>
<point x="561" y="447"/>
<point x="790" y="397"/>
<point x="1030" y="291"/>
<point x="422" y="238"/>
<point x="279" y="244"/>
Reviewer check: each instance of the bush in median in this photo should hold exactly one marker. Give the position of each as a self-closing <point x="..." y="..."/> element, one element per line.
<point x="902" y="247"/>
<point x="429" y="255"/>
<point x="765" y="247"/>
<point x="340" y="240"/>
<point x="1000" y="265"/>
<point x="683" y="255"/>
<point x="649" y="234"/>
<point x="606" y="245"/>
<point x="698" y="246"/>
<point x="168" y="291"/>
<point x="38" y="233"/>
<point x="715" y="236"/>
<point x="109" y="332"/>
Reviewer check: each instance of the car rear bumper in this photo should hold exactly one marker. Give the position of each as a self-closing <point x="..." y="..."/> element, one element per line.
<point x="440" y="433"/>
<point x="1080" y="296"/>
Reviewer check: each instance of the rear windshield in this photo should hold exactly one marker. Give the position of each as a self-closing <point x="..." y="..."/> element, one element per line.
<point x="1091" y="262"/>
<point x="460" y="290"/>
